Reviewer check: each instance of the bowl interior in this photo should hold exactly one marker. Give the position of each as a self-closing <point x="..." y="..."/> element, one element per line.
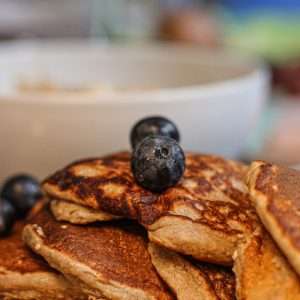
<point x="78" y="64"/>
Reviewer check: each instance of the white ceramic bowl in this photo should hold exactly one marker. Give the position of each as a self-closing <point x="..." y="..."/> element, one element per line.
<point x="214" y="97"/>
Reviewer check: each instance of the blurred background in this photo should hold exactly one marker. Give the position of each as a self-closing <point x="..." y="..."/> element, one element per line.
<point x="268" y="30"/>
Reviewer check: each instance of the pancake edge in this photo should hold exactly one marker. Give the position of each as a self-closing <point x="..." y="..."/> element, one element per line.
<point x="106" y="289"/>
<point x="261" y="203"/>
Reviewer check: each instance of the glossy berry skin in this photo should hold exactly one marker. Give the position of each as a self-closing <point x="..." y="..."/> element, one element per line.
<point x="7" y="217"/>
<point x="22" y="191"/>
<point x="157" y="163"/>
<point x="153" y="126"/>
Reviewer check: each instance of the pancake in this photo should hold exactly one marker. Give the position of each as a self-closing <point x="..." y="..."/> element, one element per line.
<point x="262" y="272"/>
<point x="78" y="214"/>
<point x="24" y="275"/>
<point x="205" y="215"/>
<point x="275" y="190"/>
<point x="108" y="261"/>
<point x="192" y="280"/>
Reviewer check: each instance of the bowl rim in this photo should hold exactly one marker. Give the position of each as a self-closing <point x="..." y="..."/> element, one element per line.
<point x="258" y="73"/>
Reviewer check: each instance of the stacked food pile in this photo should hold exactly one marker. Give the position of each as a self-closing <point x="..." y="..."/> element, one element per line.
<point x="159" y="224"/>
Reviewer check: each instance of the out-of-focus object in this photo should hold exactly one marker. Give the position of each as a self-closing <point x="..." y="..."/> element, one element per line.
<point x="214" y="97"/>
<point x="125" y="19"/>
<point x="283" y="144"/>
<point x="287" y="77"/>
<point x="191" y="26"/>
<point x="45" y="18"/>
<point x="277" y="138"/>
<point x="273" y="37"/>
<point x="270" y="28"/>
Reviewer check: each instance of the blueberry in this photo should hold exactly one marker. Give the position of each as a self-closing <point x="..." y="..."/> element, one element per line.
<point x="7" y="217"/>
<point x="22" y="191"/>
<point x="157" y="163"/>
<point x="153" y="126"/>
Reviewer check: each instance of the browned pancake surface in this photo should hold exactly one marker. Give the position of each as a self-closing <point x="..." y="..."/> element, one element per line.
<point x="25" y="275"/>
<point x="281" y="186"/>
<point x="190" y="279"/>
<point x="222" y="279"/>
<point x="275" y="190"/>
<point x="115" y="251"/>
<point x="211" y="186"/>
<point x="262" y="272"/>
<point x="16" y="257"/>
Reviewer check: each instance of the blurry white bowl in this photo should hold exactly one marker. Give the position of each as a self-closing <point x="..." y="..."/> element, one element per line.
<point x="214" y="97"/>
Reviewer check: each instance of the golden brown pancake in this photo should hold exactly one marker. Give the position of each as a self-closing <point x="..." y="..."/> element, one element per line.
<point x="205" y="215"/>
<point x="109" y="261"/>
<point x="24" y="275"/>
<point x="190" y="279"/>
<point x="275" y="190"/>
<point x="78" y="214"/>
<point x="262" y="272"/>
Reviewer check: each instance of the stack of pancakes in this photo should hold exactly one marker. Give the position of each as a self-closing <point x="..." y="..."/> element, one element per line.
<point x="101" y="236"/>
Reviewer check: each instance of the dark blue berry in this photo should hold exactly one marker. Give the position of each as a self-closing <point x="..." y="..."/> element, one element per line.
<point x="157" y="163"/>
<point x="7" y="217"/>
<point x="22" y="191"/>
<point x="153" y="126"/>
